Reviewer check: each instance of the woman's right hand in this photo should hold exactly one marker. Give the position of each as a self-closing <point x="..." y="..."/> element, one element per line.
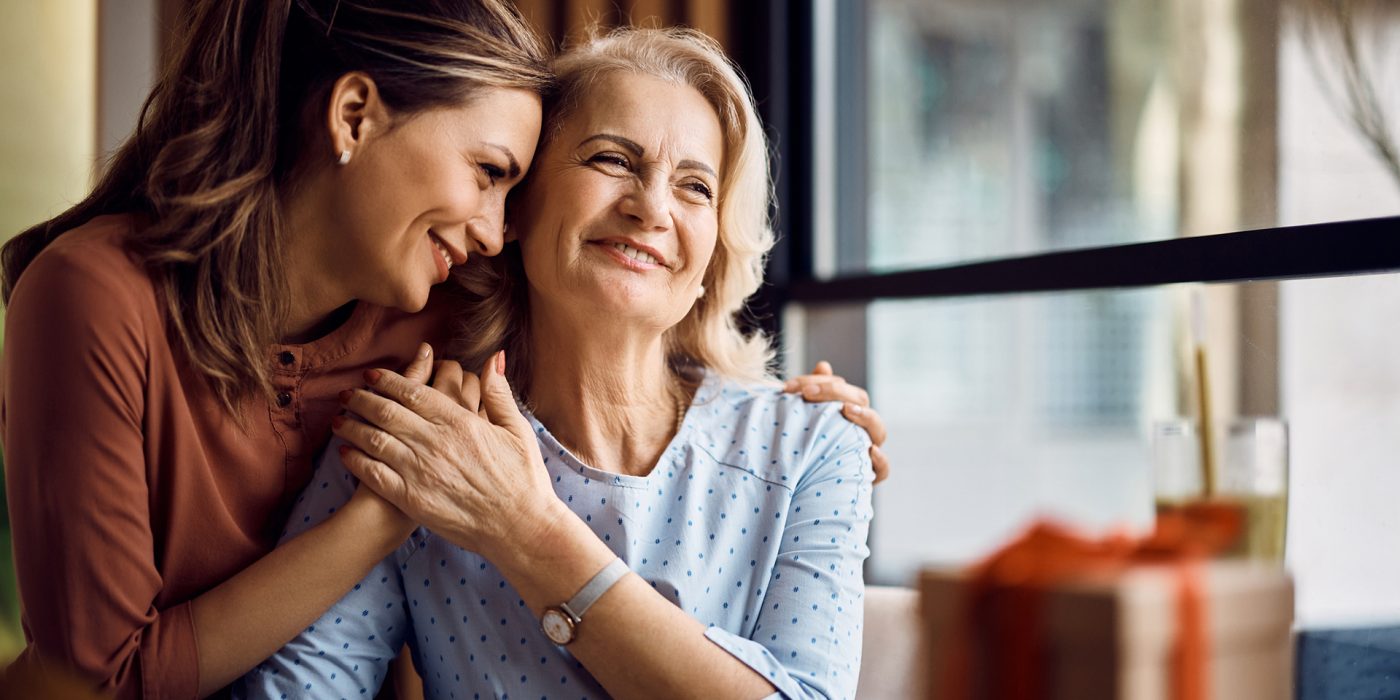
<point x="420" y="370"/>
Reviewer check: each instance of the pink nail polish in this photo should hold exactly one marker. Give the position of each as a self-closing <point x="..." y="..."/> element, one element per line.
<point x="501" y="363"/>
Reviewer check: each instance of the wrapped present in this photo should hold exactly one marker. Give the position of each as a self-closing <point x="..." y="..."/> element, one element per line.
<point x="1056" y="616"/>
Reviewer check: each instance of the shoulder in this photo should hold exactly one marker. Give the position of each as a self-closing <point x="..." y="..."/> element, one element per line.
<point x="86" y="272"/>
<point x="776" y="435"/>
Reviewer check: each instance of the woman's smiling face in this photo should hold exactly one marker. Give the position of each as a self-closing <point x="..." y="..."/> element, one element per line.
<point x="621" y="215"/>
<point x="427" y="194"/>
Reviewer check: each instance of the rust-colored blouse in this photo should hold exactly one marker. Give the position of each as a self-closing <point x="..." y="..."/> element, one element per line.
<point x="131" y="490"/>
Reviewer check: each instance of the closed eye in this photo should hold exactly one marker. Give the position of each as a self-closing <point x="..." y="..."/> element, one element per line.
<point x="701" y="189"/>
<point x="611" y="159"/>
<point x="495" y="173"/>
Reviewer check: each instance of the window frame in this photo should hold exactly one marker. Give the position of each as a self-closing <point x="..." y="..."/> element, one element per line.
<point x="775" y="50"/>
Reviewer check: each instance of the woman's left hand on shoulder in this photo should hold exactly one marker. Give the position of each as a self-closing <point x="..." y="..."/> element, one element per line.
<point x="456" y="456"/>
<point x="824" y="385"/>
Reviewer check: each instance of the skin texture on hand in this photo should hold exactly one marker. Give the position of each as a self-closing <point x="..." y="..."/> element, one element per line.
<point x="468" y="464"/>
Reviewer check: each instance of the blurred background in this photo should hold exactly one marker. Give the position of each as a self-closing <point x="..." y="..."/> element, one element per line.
<point x="913" y="134"/>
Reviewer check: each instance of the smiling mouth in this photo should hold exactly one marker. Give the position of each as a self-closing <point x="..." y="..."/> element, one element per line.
<point x="635" y="254"/>
<point x="449" y="254"/>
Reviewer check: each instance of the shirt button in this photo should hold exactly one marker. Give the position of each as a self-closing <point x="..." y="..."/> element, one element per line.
<point x="283" y="399"/>
<point x="286" y="358"/>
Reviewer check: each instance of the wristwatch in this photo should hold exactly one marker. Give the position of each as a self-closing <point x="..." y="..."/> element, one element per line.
<point x="560" y="622"/>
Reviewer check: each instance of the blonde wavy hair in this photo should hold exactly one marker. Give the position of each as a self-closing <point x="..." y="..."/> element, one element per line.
<point x="494" y="305"/>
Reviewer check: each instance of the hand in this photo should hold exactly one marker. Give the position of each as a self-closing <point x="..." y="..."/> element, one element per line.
<point x="418" y="370"/>
<point x="824" y="385"/>
<point x="457" y="457"/>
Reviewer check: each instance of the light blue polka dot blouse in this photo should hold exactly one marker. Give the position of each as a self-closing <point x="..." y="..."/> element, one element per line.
<point x="754" y="522"/>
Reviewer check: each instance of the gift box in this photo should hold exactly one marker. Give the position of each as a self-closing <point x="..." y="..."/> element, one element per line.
<point x="1140" y="628"/>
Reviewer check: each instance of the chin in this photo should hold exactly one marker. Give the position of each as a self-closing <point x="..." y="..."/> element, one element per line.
<point x="410" y="300"/>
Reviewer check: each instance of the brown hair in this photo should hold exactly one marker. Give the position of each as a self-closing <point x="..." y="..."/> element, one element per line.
<point x="222" y="135"/>
<point x="495" y="306"/>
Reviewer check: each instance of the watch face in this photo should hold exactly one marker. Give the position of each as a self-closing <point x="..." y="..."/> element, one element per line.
<point x="557" y="626"/>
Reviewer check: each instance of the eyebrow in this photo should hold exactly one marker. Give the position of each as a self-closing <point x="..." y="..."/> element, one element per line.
<point x="638" y="151"/>
<point x="514" y="170"/>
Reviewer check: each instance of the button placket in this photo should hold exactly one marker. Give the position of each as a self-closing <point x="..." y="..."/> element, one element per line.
<point x="286" y="370"/>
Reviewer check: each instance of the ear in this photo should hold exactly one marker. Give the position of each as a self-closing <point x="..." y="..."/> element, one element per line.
<point x="355" y="113"/>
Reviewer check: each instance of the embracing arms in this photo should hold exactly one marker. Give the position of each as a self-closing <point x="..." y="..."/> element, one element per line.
<point x="476" y="479"/>
<point x="76" y="386"/>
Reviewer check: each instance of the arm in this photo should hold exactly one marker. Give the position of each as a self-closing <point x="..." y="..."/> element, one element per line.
<point x="75" y="381"/>
<point x="633" y="636"/>
<point x="807" y="639"/>
<point x="346" y="652"/>
<point x="248" y="617"/>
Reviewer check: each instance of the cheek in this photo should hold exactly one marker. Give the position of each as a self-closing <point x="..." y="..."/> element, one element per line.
<point x="701" y="246"/>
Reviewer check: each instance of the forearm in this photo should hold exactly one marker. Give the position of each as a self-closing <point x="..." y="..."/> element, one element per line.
<point x="250" y="616"/>
<point x="635" y="642"/>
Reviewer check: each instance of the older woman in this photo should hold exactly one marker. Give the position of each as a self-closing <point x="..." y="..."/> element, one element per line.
<point x="661" y="521"/>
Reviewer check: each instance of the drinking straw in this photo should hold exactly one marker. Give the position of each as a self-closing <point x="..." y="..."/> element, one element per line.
<point x="1198" y="327"/>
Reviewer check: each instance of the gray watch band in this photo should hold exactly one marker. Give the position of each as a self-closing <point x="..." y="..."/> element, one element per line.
<point x="595" y="588"/>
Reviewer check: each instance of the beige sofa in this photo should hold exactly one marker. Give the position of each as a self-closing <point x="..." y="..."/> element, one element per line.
<point x="890" y="666"/>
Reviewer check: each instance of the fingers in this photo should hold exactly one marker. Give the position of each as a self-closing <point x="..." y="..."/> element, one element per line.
<point x="417" y="397"/>
<point x="880" y="463"/>
<point x="375" y="474"/>
<point x="421" y="367"/>
<point x="867" y="418"/>
<point x="832" y="389"/>
<point x="381" y="412"/>
<point x="374" y="442"/>
<point x="497" y="401"/>
<point x="822" y="372"/>
<point x="459" y="385"/>
<point x="798" y="384"/>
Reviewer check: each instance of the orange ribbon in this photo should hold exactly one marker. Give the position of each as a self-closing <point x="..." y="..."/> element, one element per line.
<point x="1004" y="600"/>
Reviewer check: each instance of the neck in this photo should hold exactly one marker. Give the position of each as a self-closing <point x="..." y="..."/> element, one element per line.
<point x="606" y="393"/>
<point x="318" y="302"/>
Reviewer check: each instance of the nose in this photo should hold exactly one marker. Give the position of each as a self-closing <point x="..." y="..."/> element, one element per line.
<point x="649" y="205"/>
<point x="486" y="231"/>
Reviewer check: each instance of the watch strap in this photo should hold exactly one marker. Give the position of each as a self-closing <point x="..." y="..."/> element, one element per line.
<point x="595" y="588"/>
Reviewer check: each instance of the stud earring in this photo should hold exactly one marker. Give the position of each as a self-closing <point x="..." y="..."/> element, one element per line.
<point x="700" y="293"/>
<point x="344" y="157"/>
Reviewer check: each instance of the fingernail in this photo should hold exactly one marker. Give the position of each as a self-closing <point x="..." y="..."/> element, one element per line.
<point x="855" y="409"/>
<point x="344" y="450"/>
<point x="337" y="421"/>
<point x="501" y="363"/>
<point x="345" y="396"/>
<point x="372" y="376"/>
<point x="424" y="351"/>
<point x="790" y="385"/>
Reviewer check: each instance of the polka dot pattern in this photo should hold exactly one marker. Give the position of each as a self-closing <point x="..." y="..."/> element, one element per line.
<point x="754" y="522"/>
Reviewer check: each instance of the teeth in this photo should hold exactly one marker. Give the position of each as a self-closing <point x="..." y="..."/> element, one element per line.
<point x="446" y="256"/>
<point x="639" y="255"/>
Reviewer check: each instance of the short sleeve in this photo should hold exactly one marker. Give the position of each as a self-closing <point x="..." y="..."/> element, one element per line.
<point x="75" y="373"/>
<point x="346" y="652"/>
<point x="807" y="639"/>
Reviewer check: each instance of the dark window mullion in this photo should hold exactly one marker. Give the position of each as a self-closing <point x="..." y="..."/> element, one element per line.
<point x="1315" y="250"/>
